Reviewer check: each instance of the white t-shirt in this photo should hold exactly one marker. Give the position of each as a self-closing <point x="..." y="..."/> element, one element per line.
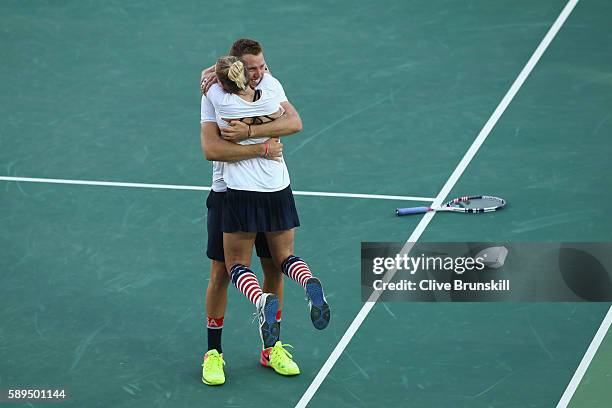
<point x="207" y="114"/>
<point x="256" y="174"/>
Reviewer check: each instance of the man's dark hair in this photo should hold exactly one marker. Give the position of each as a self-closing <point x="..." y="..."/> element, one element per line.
<point x="245" y="46"/>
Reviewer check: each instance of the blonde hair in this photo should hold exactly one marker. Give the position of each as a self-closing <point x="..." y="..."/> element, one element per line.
<point x="232" y="74"/>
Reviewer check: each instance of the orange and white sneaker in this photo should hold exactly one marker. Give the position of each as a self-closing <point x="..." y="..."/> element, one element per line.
<point x="279" y="359"/>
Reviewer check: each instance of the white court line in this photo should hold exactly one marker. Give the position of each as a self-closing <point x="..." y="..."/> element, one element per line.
<point x="469" y="155"/>
<point x="201" y="188"/>
<point x="586" y="360"/>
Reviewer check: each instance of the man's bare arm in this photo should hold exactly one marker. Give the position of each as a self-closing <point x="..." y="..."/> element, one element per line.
<point x="288" y="124"/>
<point x="207" y="78"/>
<point x="217" y="149"/>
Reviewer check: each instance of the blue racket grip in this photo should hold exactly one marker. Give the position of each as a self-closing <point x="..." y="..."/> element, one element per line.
<point x="412" y="210"/>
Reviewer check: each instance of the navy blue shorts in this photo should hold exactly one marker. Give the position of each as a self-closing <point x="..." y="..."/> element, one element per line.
<point x="214" y="249"/>
<point x="253" y="211"/>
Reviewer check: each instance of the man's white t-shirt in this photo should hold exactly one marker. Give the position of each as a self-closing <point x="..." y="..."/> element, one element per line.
<point x="256" y="174"/>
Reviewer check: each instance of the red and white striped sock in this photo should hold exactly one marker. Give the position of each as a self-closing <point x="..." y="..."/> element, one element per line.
<point x="245" y="280"/>
<point x="295" y="268"/>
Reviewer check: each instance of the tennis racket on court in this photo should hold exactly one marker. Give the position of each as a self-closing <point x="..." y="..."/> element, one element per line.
<point x="467" y="204"/>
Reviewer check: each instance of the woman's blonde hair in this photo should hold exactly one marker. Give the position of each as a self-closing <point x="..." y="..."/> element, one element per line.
<point x="232" y="74"/>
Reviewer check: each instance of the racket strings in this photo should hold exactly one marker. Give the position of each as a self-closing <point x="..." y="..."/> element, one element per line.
<point x="476" y="202"/>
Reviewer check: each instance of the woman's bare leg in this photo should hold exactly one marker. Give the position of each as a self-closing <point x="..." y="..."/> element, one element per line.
<point x="238" y="248"/>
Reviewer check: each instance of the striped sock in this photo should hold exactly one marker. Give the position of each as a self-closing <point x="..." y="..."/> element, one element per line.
<point x="245" y="280"/>
<point x="296" y="269"/>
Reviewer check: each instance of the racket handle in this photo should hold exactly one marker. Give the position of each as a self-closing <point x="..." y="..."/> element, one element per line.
<point x="412" y="210"/>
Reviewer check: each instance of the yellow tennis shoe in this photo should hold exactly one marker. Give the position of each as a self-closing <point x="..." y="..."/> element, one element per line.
<point x="212" y="368"/>
<point x="279" y="359"/>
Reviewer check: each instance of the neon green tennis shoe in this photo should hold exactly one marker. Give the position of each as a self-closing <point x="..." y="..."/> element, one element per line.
<point x="279" y="359"/>
<point x="212" y="368"/>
